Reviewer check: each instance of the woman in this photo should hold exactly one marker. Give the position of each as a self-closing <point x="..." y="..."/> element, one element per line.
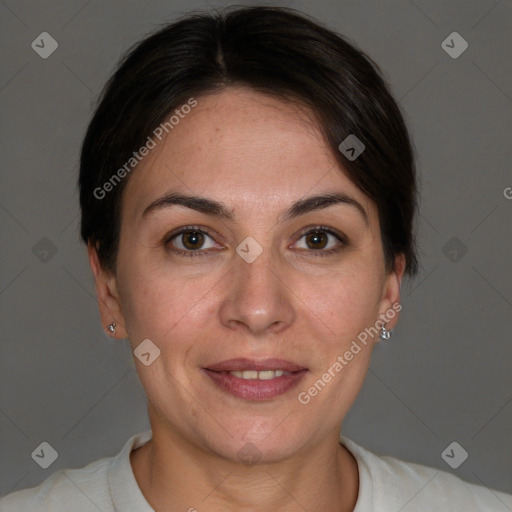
<point x="247" y="188"/>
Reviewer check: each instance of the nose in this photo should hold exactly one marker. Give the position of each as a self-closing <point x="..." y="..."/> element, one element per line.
<point x="258" y="300"/>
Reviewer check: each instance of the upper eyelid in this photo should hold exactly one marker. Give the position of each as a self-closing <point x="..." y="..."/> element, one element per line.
<point x="342" y="239"/>
<point x="327" y="229"/>
<point x="168" y="238"/>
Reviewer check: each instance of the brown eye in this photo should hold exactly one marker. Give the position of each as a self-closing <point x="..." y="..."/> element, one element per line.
<point x="316" y="240"/>
<point x="189" y="241"/>
<point x="192" y="239"/>
<point x="321" y="241"/>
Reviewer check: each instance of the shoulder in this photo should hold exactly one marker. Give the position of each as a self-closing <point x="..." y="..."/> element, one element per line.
<point x="86" y="488"/>
<point x="107" y="484"/>
<point x="390" y="484"/>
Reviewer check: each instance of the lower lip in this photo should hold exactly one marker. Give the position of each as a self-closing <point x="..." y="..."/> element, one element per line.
<point x="255" y="389"/>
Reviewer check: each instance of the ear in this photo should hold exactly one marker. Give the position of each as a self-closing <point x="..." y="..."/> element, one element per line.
<point x="108" y="297"/>
<point x="389" y="306"/>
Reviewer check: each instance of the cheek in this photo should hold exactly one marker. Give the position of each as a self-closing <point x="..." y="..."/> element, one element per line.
<point x="158" y="303"/>
<point x="345" y="302"/>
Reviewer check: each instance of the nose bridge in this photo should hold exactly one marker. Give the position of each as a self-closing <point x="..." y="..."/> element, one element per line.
<point x="257" y="295"/>
<point x="256" y="275"/>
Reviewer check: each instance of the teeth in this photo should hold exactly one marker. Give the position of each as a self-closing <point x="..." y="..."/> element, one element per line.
<point x="263" y="375"/>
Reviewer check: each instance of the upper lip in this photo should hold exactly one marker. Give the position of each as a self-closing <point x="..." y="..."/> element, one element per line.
<point x="240" y="364"/>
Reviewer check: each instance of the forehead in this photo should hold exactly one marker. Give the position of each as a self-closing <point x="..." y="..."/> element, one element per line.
<point x="248" y="150"/>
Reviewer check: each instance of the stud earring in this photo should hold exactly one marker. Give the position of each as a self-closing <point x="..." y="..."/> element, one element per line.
<point x="385" y="334"/>
<point x="112" y="327"/>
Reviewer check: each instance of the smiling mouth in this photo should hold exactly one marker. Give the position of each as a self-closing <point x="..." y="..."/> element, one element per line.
<point x="255" y="380"/>
<point x="243" y="364"/>
<point x="261" y="375"/>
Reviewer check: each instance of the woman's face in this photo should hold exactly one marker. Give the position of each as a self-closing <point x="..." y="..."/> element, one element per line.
<point x="250" y="284"/>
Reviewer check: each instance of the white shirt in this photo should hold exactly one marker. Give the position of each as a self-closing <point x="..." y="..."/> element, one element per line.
<point x="386" y="484"/>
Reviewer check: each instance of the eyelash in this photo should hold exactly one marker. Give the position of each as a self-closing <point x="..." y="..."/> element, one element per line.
<point x="200" y="253"/>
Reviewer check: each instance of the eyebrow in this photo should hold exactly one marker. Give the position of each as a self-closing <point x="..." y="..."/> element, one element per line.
<point x="218" y="209"/>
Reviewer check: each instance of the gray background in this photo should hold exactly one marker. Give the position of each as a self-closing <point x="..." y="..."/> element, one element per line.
<point x="445" y="375"/>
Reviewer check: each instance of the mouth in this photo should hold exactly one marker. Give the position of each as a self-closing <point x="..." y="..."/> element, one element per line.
<point x="255" y="380"/>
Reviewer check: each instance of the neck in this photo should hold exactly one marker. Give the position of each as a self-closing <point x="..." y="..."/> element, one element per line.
<point x="175" y="476"/>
